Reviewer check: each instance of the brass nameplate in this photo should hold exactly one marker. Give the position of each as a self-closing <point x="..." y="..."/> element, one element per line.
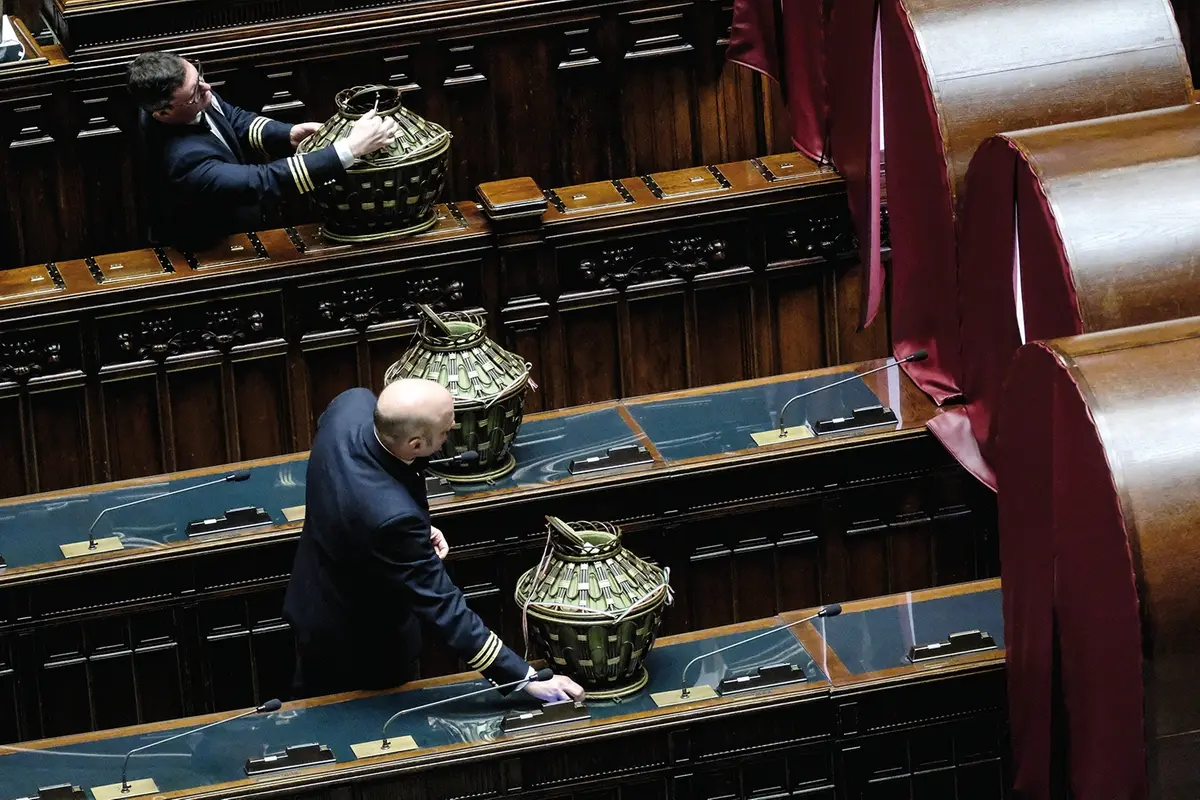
<point x="31" y="281"/>
<point x="398" y="744"/>
<point x="676" y="698"/>
<point x="108" y="544"/>
<point x="785" y="167"/>
<point x="774" y="436"/>
<point x="236" y="249"/>
<point x="294" y="514"/>
<point x="113" y="791"/>
<point x="591" y="196"/>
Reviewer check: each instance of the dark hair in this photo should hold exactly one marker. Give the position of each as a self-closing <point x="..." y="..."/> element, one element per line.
<point x="152" y="79"/>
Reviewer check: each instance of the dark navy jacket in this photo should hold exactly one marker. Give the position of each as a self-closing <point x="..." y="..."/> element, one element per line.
<point x="200" y="190"/>
<point x="365" y="569"/>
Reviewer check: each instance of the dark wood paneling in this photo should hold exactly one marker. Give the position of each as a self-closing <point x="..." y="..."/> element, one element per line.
<point x="197" y="415"/>
<point x="135" y="441"/>
<point x="700" y="282"/>
<point x="59" y="421"/>
<point x="161" y="684"/>
<point x="561" y="92"/>
<point x="330" y="371"/>
<point x="594" y="366"/>
<point x="797" y="299"/>
<point x="61" y="681"/>
<point x="10" y="706"/>
<point x="262" y="400"/>
<point x="202" y="633"/>
<point x="13" y="436"/>
<point x="110" y="673"/>
<point x="658" y="357"/>
<point x="229" y="674"/>
<point x="724" y="326"/>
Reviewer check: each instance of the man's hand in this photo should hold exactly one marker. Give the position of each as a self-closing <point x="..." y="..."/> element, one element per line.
<point x="303" y="131"/>
<point x="370" y="133"/>
<point x="560" y="687"/>
<point x="440" y="545"/>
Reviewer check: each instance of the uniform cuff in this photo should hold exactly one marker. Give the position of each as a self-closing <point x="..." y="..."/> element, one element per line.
<point x="529" y="676"/>
<point x="344" y="154"/>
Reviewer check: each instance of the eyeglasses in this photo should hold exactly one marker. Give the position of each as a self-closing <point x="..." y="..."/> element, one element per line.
<point x="196" y="94"/>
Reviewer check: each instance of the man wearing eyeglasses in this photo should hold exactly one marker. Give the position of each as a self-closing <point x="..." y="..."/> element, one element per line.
<point x="203" y="154"/>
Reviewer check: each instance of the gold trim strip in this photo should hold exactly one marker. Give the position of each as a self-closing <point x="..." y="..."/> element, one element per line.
<point x="304" y="169"/>
<point x="487" y="654"/>
<point x="256" y="134"/>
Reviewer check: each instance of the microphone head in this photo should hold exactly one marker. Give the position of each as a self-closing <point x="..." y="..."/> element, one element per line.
<point x="238" y="477"/>
<point x="831" y="610"/>
<point x="469" y="457"/>
<point x="544" y="674"/>
<point x="269" y="706"/>
<point x="920" y="355"/>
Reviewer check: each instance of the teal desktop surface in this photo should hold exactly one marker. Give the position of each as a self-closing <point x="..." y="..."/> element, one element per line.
<point x="701" y="424"/>
<point x="218" y="755"/>
<point x="723" y="421"/>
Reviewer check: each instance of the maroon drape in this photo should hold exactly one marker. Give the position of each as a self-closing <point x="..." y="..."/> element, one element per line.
<point x="855" y="85"/>
<point x="1066" y="554"/>
<point x="920" y="204"/>
<point x="785" y="40"/>
<point x="829" y="72"/>
<point x="1006" y="220"/>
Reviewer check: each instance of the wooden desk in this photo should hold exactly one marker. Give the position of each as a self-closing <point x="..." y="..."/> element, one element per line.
<point x="866" y="723"/>
<point x="148" y="362"/>
<point x="747" y="532"/>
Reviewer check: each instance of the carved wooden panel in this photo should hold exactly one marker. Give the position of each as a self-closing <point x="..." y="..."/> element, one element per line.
<point x="567" y="96"/>
<point x="133" y="427"/>
<point x="58" y="420"/>
<point x="621" y="300"/>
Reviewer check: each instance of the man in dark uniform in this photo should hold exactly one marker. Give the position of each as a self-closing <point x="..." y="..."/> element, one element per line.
<point x="369" y="566"/>
<point x="199" y="149"/>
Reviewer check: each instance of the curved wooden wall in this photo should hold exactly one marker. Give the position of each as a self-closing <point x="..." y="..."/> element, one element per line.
<point x="1098" y="466"/>
<point x="1103" y="218"/>
<point x="959" y="71"/>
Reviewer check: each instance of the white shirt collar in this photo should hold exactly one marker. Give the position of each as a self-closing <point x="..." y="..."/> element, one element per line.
<point x="385" y="447"/>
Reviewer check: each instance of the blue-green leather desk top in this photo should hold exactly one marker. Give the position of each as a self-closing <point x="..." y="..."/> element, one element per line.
<point x="864" y="640"/>
<point x="879" y="638"/>
<point x="696" y="425"/>
<point x="722" y="422"/>
<point x="218" y="755"/>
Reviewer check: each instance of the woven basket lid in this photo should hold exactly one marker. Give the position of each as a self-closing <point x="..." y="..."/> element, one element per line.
<point x="417" y="140"/>
<point x="453" y="350"/>
<point x="590" y="577"/>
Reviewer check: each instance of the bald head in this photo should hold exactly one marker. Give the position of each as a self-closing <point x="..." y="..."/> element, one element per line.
<point x="413" y="416"/>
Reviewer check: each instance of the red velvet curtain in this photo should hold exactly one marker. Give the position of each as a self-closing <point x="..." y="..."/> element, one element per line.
<point x="1006" y="220"/>
<point x="1066" y="554"/>
<point x="828" y="68"/>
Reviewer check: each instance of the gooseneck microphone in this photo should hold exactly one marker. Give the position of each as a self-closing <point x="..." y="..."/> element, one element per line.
<point x="543" y="674"/>
<point x="831" y="610"/>
<point x="920" y="355"/>
<point x="71" y="551"/>
<point x="462" y="459"/>
<point x="265" y="708"/>
<point x="236" y="477"/>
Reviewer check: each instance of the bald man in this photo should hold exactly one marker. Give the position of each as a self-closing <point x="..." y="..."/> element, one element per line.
<point x="369" y="566"/>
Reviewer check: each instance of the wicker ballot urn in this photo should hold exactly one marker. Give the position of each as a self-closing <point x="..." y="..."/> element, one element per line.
<point x="388" y="193"/>
<point x="593" y="609"/>
<point x="488" y="384"/>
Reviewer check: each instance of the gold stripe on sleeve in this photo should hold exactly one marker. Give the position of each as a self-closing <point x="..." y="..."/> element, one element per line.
<point x="256" y="134"/>
<point x="487" y="654"/>
<point x="304" y="171"/>
<point x="291" y="162"/>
